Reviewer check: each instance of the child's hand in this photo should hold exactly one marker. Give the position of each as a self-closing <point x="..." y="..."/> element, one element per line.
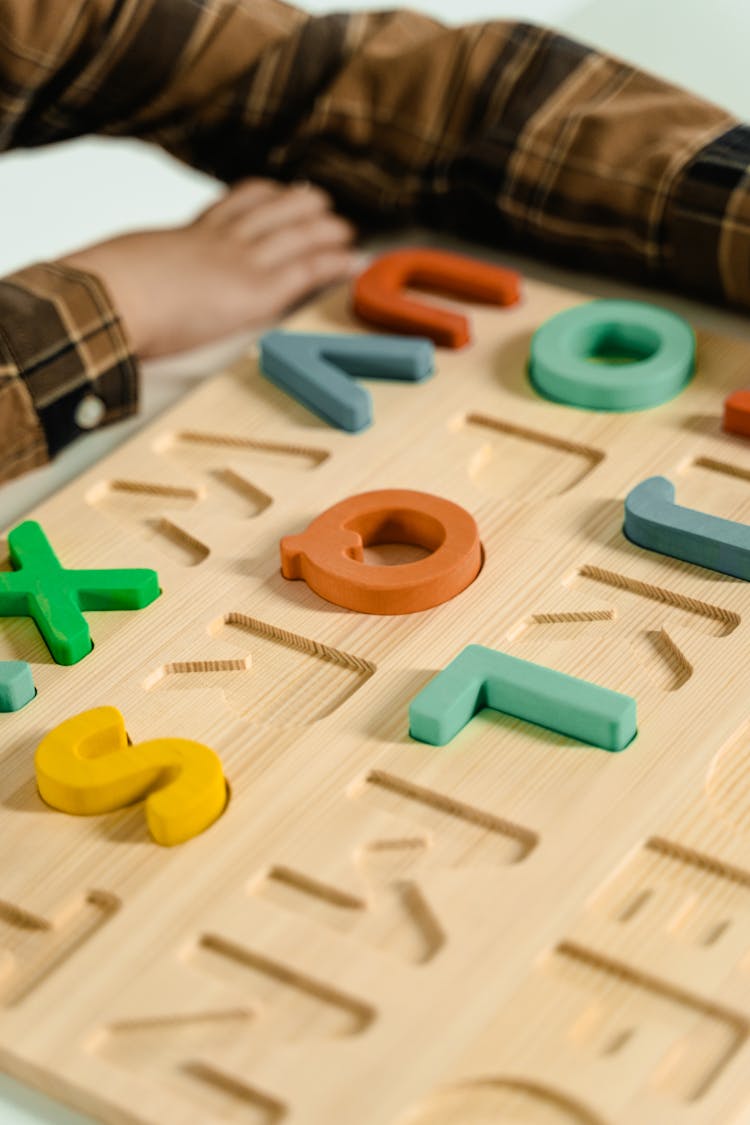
<point x="247" y="259"/>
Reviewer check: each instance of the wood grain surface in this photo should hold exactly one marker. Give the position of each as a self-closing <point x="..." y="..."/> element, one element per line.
<point x="514" y="928"/>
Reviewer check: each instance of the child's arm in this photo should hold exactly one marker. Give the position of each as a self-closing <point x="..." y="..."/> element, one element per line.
<point x="508" y="131"/>
<point x="504" y="131"/>
<point x="70" y="331"/>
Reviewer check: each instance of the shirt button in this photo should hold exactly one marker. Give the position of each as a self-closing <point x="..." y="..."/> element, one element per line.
<point x="89" y="412"/>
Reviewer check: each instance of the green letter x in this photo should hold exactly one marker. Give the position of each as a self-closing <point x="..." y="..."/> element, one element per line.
<point x="40" y="588"/>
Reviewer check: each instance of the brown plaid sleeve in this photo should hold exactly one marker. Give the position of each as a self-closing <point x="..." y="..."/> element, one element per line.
<point x="506" y="132"/>
<point x="65" y="364"/>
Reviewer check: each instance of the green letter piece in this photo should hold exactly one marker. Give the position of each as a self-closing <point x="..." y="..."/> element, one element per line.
<point x="481" y="677"/>
<point x="612" y="355"/>
<point x="654" y="521"/>
<point x="40" y="588"/>
<point x="319" y="370"/>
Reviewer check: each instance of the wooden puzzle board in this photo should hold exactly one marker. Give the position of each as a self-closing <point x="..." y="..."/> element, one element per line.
<point x="515" y="928"/>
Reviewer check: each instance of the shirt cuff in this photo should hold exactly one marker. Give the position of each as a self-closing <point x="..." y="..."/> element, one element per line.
<point x="66" y="364"/>
<point x="707" y="220"/>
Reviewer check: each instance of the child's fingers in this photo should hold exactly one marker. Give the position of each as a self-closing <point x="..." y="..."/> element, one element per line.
<point x="243" y="197"/>
<point x="291" y="206"/>
<point x="328" y="232"/>
<point x="302" y="277"/>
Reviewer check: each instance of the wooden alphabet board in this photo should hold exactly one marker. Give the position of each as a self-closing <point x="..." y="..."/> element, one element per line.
<point x="513" y="928"/>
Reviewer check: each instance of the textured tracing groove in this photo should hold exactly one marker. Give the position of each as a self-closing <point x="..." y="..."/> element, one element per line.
<point x="232" y="441"/>
<point x="554" y="441"/>
<point x="728" y="619"/>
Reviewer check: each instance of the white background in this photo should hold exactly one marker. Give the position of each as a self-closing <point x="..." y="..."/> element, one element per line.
<point x="58" y="199"/>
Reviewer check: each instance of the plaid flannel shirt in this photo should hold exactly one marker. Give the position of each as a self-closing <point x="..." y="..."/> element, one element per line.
<point x="502" y="131"/>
